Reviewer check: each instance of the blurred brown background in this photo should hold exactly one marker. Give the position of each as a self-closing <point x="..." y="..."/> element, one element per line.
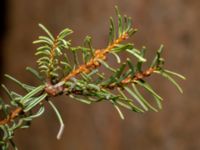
<point x="175" y="23"/>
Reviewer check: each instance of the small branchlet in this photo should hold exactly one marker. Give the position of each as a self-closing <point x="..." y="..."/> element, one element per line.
<point x="83" y="80"/>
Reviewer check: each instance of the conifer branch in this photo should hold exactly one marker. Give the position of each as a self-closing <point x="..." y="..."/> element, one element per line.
<point x="83" y="80"/>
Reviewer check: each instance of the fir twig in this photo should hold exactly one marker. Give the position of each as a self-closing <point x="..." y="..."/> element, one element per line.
<point x="83" y="82"/>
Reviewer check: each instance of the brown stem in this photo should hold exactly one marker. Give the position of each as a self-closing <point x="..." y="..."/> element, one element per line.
<point x="93" y="63"/>
<point x="14" y="114"/>
<point x="52" y="57"/>
<point x="129" y="79"/>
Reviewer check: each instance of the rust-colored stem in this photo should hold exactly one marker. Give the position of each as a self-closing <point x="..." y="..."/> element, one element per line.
<point x="129" y="79"/>
<point x="14" y="114"/>
<point x="93" y="63"/>
<point x="52" y="57"/>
